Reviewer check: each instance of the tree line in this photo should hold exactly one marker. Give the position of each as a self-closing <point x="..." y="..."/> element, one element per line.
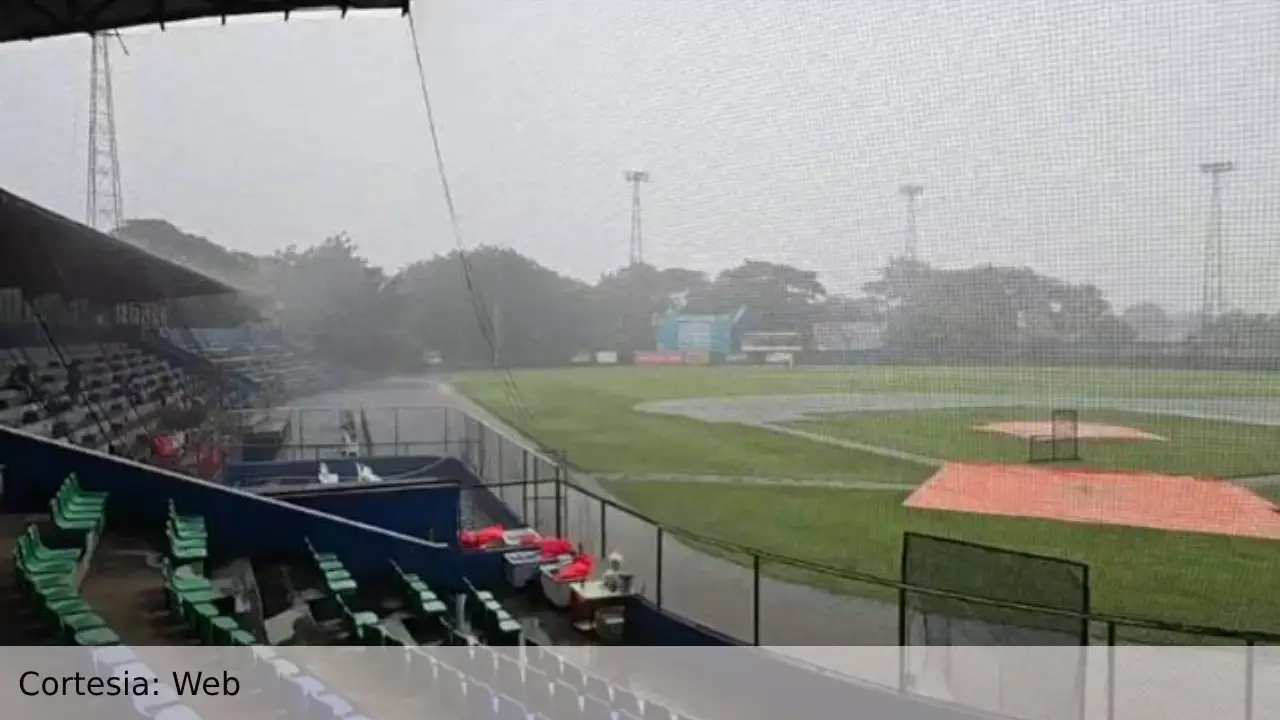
<point x="495" y="305"/>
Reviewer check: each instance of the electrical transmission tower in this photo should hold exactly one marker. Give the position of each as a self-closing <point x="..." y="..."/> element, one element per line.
<point x="104" y="203"/>
<point x="635" y="177"/>
<point x="911" y="192"/>
<point x="1214" y="302"/>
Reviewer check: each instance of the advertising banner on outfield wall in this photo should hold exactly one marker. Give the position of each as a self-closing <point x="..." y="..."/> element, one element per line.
<point x="582" y="358"/>
<point x="745" y="683"/>
<point x="697" y="358"/>
<point x="606" y="357"/>
<point x="659" y="358"/>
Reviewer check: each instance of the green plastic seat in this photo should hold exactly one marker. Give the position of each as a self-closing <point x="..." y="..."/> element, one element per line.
<point x="199" y="597"/>
<point x="96" y="637"/>
<point x="328" y="566"/>
<point x="32" y="546"/>
<point x="199" y="618"/>
<point x="51" y="593"/>
<point x="49" y="566"/>
<point x="73" y="480"/>
<point x="188" y="532"/>
<point x="64" y="607"/>
<point x="342" y="586"/>
<point x="173" y="513"/>
<point x="189" y="582"/>
<point x="363" y="626"/>
<point x="180" y="584"/>
<point x="187" y="549"/>
<point x="434" y="607"/>
<point x="222" y="627"/>
<point x="73" y="519"/>
<point x="64" y="501"/>
<point x="76" y="499"/>
<point x="243" y="638"/>
<point x="49" y="582"/>
<point x="75" y="624"/>
<point x="508" y="625"/>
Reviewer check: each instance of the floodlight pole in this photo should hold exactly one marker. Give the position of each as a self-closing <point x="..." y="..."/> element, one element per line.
<point x="635" y="178"/>
<point x="911" y="192"/>
<point x="1213" y="300"/>
<point x="104" y="202"/>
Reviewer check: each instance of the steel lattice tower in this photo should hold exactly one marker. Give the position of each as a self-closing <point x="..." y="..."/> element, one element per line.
<point x="1214" y="300"/>
<point x="911" y="192"/>
<point x="635" y="177"/>
<point x="104" y="203"/>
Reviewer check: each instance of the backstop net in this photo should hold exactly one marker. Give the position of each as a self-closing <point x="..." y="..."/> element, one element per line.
<point x="1062" y="444"/>
<point x="1013" y="661"/>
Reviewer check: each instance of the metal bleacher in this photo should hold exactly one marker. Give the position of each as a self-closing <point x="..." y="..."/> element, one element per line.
<point x="266" y="364"/>
<point x="103" y="405"/>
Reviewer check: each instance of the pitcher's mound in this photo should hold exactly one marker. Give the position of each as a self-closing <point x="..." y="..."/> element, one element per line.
<point x="1084" y="431"/>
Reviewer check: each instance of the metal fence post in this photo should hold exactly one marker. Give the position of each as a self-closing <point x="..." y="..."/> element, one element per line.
<point x="1111" y="670"/>
<point x="902" y="640"/>
<point x="658" y="570"/>
<point x="604" y="534"/>
<point x="755" y="599"/>
<point x="559" y="491"/>
<point x="498" y="476"/>
<point x="1250" y="665"/>
<point x="524" y="488"/>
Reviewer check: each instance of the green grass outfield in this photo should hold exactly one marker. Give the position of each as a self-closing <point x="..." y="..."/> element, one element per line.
<point x="1196" y="579"/>
<point x="1176" y="577"/>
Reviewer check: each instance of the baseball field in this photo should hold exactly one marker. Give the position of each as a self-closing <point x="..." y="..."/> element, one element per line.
<point x="817" y="464"/>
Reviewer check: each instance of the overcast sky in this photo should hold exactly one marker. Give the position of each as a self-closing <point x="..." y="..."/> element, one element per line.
<point x="1062" y="134"/>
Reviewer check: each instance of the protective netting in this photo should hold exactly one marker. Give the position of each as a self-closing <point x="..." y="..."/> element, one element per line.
<point x="1062" y="443"/>
<point x="973" y="651"/>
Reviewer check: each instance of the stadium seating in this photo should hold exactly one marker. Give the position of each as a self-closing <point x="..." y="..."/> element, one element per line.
<point x="266" y="364"/>
<point x="49" y="564"/>
<point x="104" y="410"/>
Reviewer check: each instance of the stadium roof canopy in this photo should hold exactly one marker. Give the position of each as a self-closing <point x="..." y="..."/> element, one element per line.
<point x="44" y="253"/>
<point x="31" y="19"/>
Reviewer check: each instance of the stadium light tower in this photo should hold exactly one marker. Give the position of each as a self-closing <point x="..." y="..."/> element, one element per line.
<point x="911" y="192"/>
<point x="104" y="203"/>
<point x="635" y="178"/>
<point x="1214" y="267"/>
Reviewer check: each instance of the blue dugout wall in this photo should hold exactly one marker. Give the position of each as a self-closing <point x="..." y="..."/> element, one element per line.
<point x="241" y="524"/>
<point x="426" y="510"/>
<point x="305" y="472"/>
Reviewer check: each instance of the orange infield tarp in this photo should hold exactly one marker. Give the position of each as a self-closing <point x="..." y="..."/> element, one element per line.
<point x="1100" y="497"/>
